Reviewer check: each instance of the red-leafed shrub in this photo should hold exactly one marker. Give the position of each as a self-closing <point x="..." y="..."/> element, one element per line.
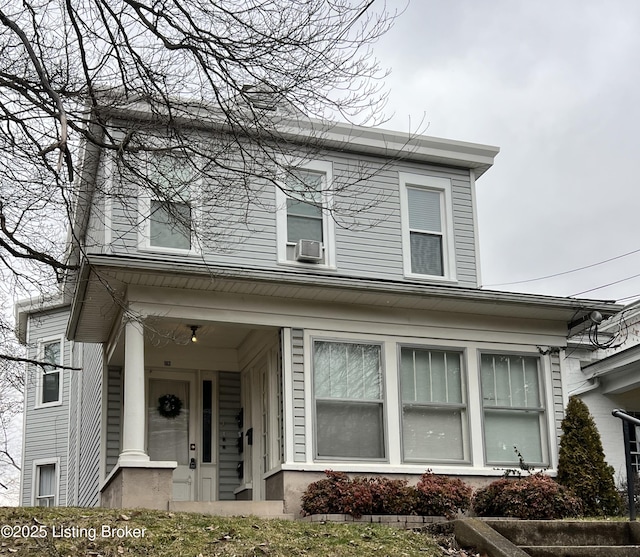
<point x="326" y="496"/>
<point x="441" y="495"/>
<point x="535" y="497"/>
<point x="378" y="496"/>
<point x="433" y="496"/>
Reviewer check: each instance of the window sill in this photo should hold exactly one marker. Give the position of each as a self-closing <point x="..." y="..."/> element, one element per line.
<point x="309" y="266"/>
<point x="39" y="406"/>
<point x="169" y="251"/>
<point x="370" y="467"/>
<point x="431" y="278"/>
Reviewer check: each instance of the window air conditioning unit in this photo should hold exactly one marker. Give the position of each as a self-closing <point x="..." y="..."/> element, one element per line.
<point x="308" y="250"/>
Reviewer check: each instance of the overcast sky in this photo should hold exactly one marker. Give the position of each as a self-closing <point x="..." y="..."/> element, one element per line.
<point x="554" y="84"/>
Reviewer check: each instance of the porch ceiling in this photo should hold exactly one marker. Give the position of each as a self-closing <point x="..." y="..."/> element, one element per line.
<point x="101" y="294"/>
<point x="209" y="335"/>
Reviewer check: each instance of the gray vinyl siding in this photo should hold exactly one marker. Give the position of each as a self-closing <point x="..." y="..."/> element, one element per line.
<point x="74" y="417"/>
<point x="113" y="416"/>
<point x="228" y="456"/>
<point x="299" y="413"/>
<point x="90" y="432"/>
<point x="556" y="388"/>
<point x="368" y="242"/>
<point x="46" y="430"/>
<point x="464" y="231"/>
<point x="95" y="240"/>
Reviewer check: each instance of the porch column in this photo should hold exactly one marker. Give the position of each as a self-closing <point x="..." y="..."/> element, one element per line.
<point x="134" y="415"/>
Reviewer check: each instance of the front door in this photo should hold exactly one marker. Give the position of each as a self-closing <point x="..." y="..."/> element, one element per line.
<point x="171" y="427"/>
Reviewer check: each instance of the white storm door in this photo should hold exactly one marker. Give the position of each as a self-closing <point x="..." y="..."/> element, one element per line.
<point x="170" y="437"/>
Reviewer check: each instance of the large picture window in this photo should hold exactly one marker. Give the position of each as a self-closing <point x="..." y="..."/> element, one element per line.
<point x="434" y="414"/>
<point x="50" y="391"/>
<point x="348" y="390"/>
<point x="513" y="409"/>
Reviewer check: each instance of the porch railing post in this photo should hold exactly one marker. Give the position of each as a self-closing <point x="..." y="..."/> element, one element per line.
<point x="630" y="471"/>
<point x="626" y="424"/>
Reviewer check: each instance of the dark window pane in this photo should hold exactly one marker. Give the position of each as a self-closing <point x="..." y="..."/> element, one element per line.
<point x="207" y="420"/>
<point x="170" y="225"/>
<point x="349" y="429"/>
<point x="300" y="208"/>
<point x="50" y="386"/>
<point x="426" y="254"/>
<point x="304" y="228"/>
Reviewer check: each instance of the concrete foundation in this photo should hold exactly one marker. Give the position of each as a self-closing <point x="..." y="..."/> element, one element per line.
<point x="289" y="485"/>
<point x="144" y="487"/>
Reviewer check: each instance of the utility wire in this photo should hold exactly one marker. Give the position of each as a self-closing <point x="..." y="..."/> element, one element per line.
<point x="624" y="298"/>
<point x="604" y="285"/>
<point x="568" y="272"/>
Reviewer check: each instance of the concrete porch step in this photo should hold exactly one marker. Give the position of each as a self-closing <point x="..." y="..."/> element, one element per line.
<point x="532" y="538"/>
<point x="261" y="509"/>
<point x="582" y="550"/>
<point x="567" y="532"/>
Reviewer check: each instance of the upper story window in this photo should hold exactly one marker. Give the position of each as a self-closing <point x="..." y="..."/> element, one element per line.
<point x="50" y="384"/>
<point x="304" y="215"/>
<point x="427" y="226"/>
<point x="514" y="414"/>
<point x="305" y="227"/>
<point x="167" y="212"/>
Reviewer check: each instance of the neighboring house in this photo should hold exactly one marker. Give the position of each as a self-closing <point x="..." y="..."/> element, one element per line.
<point x="607" y="378"/>
<point x="367" y="349"/>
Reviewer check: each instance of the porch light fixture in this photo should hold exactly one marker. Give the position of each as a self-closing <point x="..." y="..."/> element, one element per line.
<point x="194" y="328"/>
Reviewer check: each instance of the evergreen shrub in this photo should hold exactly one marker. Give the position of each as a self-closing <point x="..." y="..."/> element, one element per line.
<point x="582" y="467"/>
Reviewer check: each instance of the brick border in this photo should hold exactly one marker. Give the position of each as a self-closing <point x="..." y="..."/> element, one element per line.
<point x="396" y="520"/>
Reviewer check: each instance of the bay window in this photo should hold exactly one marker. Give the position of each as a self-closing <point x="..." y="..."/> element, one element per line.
<point x="513" y="405"/>
<point x="434" y="413"/>
<point x="349" y="400"/>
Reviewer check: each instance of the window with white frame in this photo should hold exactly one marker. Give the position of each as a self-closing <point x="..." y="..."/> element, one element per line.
<point x="434" y="412"/>
<point x="167" y="210"/>
<point x="513" y="404"/>
<point x="45" y="485"/>
<point x="50" y="391"/>
<point x="427" y="226"/>
<point x="349" y="400"/>
<point x="304" y="201"/>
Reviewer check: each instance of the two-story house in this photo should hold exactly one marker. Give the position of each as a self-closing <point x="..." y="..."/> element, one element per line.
<point x="197" y="374"/>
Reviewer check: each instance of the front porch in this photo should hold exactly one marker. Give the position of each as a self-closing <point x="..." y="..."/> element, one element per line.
<point x="193" y="422"/>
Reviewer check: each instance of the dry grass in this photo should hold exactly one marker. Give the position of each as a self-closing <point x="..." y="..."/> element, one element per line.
<point x="79" y="532"/>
